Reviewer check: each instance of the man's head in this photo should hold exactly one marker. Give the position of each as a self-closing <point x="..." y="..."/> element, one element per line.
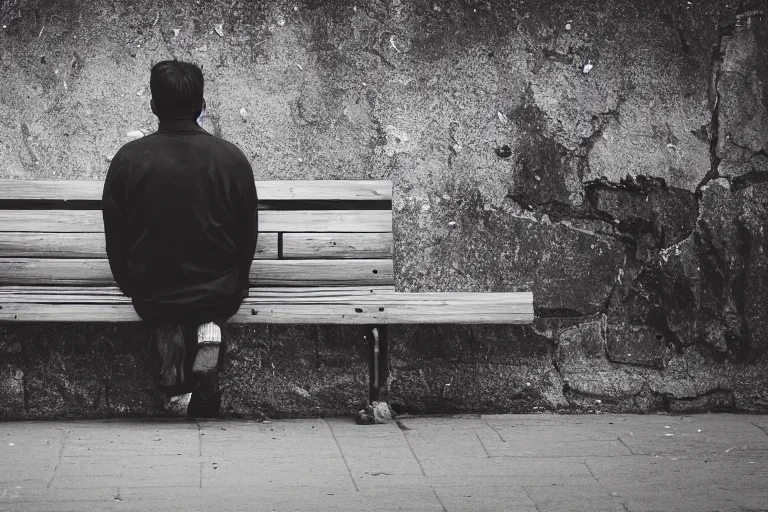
<point x="177" y="90"/>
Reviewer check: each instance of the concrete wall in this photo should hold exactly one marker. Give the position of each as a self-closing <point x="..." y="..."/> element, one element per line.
<point x="630" y="199"/>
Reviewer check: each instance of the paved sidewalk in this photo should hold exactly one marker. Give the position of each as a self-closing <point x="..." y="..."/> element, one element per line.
<point x="512" y="463"/>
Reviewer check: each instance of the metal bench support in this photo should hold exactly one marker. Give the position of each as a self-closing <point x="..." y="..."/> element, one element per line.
<point x="378" y="357"/>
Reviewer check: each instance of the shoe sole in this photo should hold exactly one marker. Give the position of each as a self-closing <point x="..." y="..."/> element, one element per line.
<point x="206" y="359"/>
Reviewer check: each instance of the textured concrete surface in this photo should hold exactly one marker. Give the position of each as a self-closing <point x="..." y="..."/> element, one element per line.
<point x="629" y="198"/>
<point x="531" y="463"/>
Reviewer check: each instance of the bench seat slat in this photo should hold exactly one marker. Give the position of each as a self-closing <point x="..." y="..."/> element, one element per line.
<point x="89" y="245"/>
<point x="281" y="190"/>
<point x="91" y="221"/>
<point x="272" y="291"/>
<point x="337" y="245"/>
<point x="96" y="272"/>
<point x="346" y="307"/>
<point x="266" y="296"/>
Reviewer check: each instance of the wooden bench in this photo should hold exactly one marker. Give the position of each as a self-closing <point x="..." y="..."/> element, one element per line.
<point x="324" y="256"/>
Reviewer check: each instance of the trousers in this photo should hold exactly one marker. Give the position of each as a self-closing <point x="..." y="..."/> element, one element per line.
<point x="173" y="348"/>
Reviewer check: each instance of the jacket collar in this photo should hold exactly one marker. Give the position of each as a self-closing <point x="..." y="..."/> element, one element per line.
<point x="179" y="125"/>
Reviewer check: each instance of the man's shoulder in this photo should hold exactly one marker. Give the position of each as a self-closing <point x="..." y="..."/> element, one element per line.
<point x="233" y="148"/>
<point x="225" y="146"/>
<point x="135" y="146"/>
<point x="207" y="138"/>
<point x="126" y="151"/>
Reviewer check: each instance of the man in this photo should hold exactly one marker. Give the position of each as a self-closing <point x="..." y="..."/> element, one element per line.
<point x="180" y="220"/>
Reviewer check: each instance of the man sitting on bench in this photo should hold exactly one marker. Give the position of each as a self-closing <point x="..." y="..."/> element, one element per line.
<point x="180" y="221"/>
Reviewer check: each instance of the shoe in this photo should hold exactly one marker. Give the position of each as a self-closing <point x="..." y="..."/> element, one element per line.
<point x="208" y="344"/>
<point x="206" y="398"/>
<point x="204" y="406"/>
<point x="178" y="406"/>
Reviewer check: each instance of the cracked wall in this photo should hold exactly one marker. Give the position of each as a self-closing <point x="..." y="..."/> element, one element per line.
<point x="628" y="198"/>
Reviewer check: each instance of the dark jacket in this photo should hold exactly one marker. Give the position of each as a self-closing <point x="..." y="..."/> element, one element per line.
<point x="180" y="221"/>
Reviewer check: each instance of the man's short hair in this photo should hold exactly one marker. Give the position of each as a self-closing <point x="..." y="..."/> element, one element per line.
<point x="177" y="88"/>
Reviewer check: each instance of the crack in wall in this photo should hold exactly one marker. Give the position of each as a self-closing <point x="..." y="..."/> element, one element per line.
<point x="714" y="126"/>
<point x="747" y="180"/>
<point x="591" y="189"/>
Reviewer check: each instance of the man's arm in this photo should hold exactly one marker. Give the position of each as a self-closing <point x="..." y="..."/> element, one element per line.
<point x="115" y="224"/>
<point x="248" y="220"/>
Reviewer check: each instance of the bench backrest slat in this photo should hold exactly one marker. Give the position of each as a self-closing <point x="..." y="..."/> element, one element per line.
<point x="278" y="190"/>
<point x="89" y="245"/>
<point x="337" y="245"/>
<point x="92" y="272"/>
<point x="311" y="233"/>
<point x="270" y="221"/>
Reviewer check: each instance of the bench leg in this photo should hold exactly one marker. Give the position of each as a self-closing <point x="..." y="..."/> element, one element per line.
<point x="378" y="350"/>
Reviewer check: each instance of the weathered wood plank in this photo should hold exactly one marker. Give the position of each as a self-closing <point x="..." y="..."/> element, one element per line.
<point x="323" y="221"/>
<point x="91" y="221"/>
<point x="387" y="307"/>
<point x="52" y="221"/>
<point x="96" y="272"/>
<point x="337" y="245"/>
<point x="389" y="312"/>
<point x="330" y="190"/>
<point x="275" y="295"/>
<point x="278" y="190"/>
<point x="89" y="245"/>
<point x="266" y="293"/>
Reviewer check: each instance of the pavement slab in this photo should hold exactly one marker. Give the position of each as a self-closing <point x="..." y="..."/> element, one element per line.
<point x="624" y="463"/>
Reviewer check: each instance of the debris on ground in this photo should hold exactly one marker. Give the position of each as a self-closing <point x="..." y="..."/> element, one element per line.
<point x="587" y="67"/>
<point x="219" y="29"/>
<point x="376" y="413"/>
<point x="135" y="133"/>
<point x="392" y="43"/>
<point x="176" y="32"/>
<point x="302" y="392"/>
<point x="504" y="151"/>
